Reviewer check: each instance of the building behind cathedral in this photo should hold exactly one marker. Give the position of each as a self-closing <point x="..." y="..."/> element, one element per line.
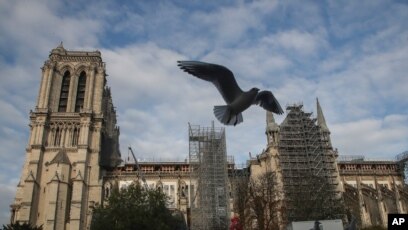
<point x="72" y="162"/>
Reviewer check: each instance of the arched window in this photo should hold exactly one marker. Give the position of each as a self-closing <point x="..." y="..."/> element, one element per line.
<point x="80" y="92"/>
<point x="107" y="192"/>
<point x="75" y="136"/>
<point x="57" y="138"/>
<point x="62" y="107"/>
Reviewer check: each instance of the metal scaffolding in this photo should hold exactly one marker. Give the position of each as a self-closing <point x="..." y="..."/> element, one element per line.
<point x="308" y="161"/>
<point x="208" y="159"/>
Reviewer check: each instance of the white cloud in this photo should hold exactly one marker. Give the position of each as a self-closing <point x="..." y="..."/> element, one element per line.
<point x="13" y="115"/>
<point x="362" y="137"/>
<point x="231" y="24"/>
<point x="303" y="43"/>
<point x="155" y="99"/>
<point x="7" y="194"/>
<point x="369" y="84"/>
<point x="31" y="27"/>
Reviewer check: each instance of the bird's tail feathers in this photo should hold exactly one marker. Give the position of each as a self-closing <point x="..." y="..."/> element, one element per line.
<point x="222" y="112"/>
<point x="224" y="115"/>
<point x="239" y="118"/>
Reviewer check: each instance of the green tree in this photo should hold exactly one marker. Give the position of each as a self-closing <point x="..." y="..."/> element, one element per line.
<point x="23" y="226"/>
<point x="135" y="208"/>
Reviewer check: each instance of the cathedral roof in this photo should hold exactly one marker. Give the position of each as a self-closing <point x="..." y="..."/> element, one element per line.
<point x="61" y="158"/>
<point x="61" y="54"/>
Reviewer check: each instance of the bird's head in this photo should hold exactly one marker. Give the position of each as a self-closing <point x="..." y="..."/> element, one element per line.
<point x="255" y="90"/>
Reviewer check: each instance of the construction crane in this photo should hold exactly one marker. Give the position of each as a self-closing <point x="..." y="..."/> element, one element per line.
<point x="141" y="174"/>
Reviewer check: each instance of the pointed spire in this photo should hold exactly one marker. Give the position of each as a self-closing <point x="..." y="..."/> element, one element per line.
<point x="269" y="117"/>
<point x="270" y="122"/>
<point x="59" y="49"/>
<point x="272" y="129"/>
<point x="321" y="121"/>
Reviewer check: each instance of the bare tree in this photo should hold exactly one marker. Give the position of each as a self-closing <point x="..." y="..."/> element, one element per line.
<point x="263" y="203"/>
<point x="266" y="201"/>
<point x="241" y="198"/>
<point x="259" y="202"/>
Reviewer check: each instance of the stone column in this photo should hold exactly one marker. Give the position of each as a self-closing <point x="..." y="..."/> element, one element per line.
<point x="44" y="80"/>
<point x="79" y="189"/>
<point x="48" y="86"/>
<point x="52" y="202"/>
<point x="365" y="218"/>
<point x="27" y="203"/>
<point x="32" y="134"/>
<point x="77" y="206"/>
<point x="84" y="134"/>
<point x="40" y="132"/>
<point x="73" y="81"/>
<point x="98" y="90"/>
<point x="380" y="203"/>
<point x="89" y="88"/>
<point x="397" y="197"/>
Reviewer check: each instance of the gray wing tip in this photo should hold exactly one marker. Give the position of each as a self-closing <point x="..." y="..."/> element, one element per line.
<point x="181" y="62"/>
<point x="267" y="100"/>
<point x="184" y="65"/>
<point x="278" y="109"/>
<point x="187" y="64"/>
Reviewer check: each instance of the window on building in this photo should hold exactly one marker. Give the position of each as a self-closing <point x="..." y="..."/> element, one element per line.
<point x="75" y="136"/>
<point x="57" y="137"/>
<point x="79" y="103"/>
<point x="107" y="192"/>
<point x="62" y="106"/>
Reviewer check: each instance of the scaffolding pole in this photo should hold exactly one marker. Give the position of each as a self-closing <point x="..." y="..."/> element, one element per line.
<point x="208" y="159"/>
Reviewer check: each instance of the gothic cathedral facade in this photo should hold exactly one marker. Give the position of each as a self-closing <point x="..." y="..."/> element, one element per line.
<point x="73" y="142"/>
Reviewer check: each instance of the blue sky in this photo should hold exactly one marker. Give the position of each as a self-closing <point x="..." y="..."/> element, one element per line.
<point x="352" y="55"/>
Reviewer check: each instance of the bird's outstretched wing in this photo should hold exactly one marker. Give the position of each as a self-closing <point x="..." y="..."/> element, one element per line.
<point x="268" y="102"/>
<point x="219" y="75"/>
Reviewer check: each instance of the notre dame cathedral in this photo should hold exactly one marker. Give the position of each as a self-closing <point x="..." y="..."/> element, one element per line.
<point x="73" y="141"/>
<point x="72" y="160"/>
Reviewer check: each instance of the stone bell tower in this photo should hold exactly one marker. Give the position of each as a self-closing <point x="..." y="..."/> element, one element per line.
<point x="73" y="140"/>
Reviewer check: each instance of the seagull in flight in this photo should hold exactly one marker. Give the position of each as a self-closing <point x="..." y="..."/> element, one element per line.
<point x="236" y="99"/>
